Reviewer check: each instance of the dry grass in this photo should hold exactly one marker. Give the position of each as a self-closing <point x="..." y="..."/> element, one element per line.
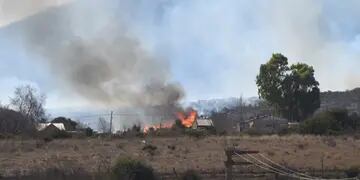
<point x="181" y="153"/>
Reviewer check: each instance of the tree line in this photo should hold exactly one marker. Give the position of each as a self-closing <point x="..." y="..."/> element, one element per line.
<point x="293" y="93"/>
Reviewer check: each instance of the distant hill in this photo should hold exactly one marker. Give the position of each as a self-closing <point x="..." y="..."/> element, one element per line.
<point x="205" y="107"/>
<point x="341" y="99"/>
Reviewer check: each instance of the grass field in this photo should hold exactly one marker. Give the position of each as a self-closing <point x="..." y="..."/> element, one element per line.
<point x="18" y="157"/>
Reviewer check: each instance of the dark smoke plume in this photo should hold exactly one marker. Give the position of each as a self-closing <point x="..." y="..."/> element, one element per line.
<point x="93" y="52"/>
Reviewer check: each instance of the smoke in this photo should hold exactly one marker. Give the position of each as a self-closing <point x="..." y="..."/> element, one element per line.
<point x="228" y="40"/>
<point x="90" y="49"/>
<point x="13" y="10"/>
<point x="215" y="47"/>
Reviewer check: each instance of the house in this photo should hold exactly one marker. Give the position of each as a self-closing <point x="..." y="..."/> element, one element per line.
<point x="203" y="123"/>
<point x="50" y="129"/>
<point x="69" y="124"/>
<point x="44" y="126"/>
<point x="267" y="124"/>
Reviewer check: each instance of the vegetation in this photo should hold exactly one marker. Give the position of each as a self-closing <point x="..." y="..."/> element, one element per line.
<point x="331" y="122"/>
<point x="191" y="175"/>
<point x="197" y="133"/>
<point x="14" y="123"/>
<point x="178" y="125"/>
<point x="29" y="103"/>
<point x="131" y="169"/>
<point x="69" y="124"/>
<point x="89" y="132"/>
<point x="293" y="91"/>
<point x="352" y="172"/>
<point x="150" y="149"/>
<point x="27" y="110"/>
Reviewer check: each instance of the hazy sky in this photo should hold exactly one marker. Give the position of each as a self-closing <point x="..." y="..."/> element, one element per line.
<point x="214" y="48"/>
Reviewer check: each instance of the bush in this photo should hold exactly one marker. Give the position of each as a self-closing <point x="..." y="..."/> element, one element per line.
<point x="89" y="132"/>
<point x="352" y="172"/>
<point x="150" y="149"/>
<point x="61" y="135"/>
<point x="197" y="133"/>
<point x="130" y="169"/>
<point x="178" y="125"/>
<point x="333" y="122"/>
<point x="288" y="131"/>
<point x="190" y="175"/>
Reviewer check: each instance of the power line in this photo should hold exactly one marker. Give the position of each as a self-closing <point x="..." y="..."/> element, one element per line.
<point x="262" y="167"/>
<point x="303" y="173"/>
<point x="285" y="168"/>
<point x="276" y="169"/>
<point x="295" y="174"/>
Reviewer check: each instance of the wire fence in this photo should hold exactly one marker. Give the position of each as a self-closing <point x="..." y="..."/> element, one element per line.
<point x="271" y="166"/>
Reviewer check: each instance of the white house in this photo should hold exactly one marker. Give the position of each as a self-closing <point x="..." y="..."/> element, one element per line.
<point x="43" y="126"/>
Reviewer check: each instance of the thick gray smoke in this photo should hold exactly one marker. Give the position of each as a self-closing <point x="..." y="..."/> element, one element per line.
<point x="90" y="49"/>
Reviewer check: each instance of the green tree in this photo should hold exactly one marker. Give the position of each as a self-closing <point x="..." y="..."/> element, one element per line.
<point x="292" y="91"/>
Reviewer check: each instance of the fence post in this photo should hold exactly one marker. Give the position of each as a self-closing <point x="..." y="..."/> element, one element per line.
<point x="228" y="164"/>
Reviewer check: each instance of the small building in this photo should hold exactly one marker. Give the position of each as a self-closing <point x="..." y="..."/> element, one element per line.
<point x="292" y="125"/>
<point x="43" y="126"/>
<point x="267" y="124"/>
<point x="203" y="123"/>
<point x="50" y="129"/>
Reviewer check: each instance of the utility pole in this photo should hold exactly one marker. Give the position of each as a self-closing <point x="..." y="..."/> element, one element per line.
<point x="111" y="118"/>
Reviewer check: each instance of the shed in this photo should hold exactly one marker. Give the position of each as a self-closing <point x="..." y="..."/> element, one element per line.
<point x="268" y="124"/>
<point x="202" y="123"/>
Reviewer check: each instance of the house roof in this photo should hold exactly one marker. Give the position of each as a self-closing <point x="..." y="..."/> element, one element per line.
<point x="42" y="126"/>
<point x="204" y="122"/>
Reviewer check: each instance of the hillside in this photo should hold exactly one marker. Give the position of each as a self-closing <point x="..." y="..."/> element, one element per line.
<point x="341" y="99"/>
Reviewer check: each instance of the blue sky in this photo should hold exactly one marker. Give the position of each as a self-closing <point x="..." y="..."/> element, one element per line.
<point x="213" y="48"/>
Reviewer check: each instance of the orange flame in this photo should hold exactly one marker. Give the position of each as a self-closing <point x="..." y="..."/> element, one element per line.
<point x="163" y="125"/>
<point x="187" y="121"/>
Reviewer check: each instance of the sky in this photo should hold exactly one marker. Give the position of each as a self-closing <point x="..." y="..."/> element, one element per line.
<point x="213" y="48"/>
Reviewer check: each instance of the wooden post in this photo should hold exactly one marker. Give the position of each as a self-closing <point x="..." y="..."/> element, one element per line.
<point x="111" y="119"/>
<point x="322" y="165"/>
<point x="228" y="164"/>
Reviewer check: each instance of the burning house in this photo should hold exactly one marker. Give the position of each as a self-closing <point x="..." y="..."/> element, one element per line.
<point x="188" y="119"/>
<point x="203" y="123"/>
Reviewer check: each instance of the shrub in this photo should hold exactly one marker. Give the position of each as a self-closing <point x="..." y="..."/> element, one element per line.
<point x="190" y="175"/>
<point x="89" y="132"/>
<point x="324" y="123"/>
<point x="130" y="169"/>
<point x="197" y="133"/>
<point x="253" y="132"/>
<point x="178" y="125"/>
<point x="61" y="135"/>
<point x="352" y="172"/>
<point x="150" y="149"/>
<point x="69" y="124"/>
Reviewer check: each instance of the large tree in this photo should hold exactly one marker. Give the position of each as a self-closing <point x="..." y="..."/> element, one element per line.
<point x="29" y="102"/>
<point x="292" y="91"/>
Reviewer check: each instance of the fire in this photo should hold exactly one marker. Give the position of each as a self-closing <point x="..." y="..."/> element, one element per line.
<point x="188" y="120"/>
<point x="165" y="125"/>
